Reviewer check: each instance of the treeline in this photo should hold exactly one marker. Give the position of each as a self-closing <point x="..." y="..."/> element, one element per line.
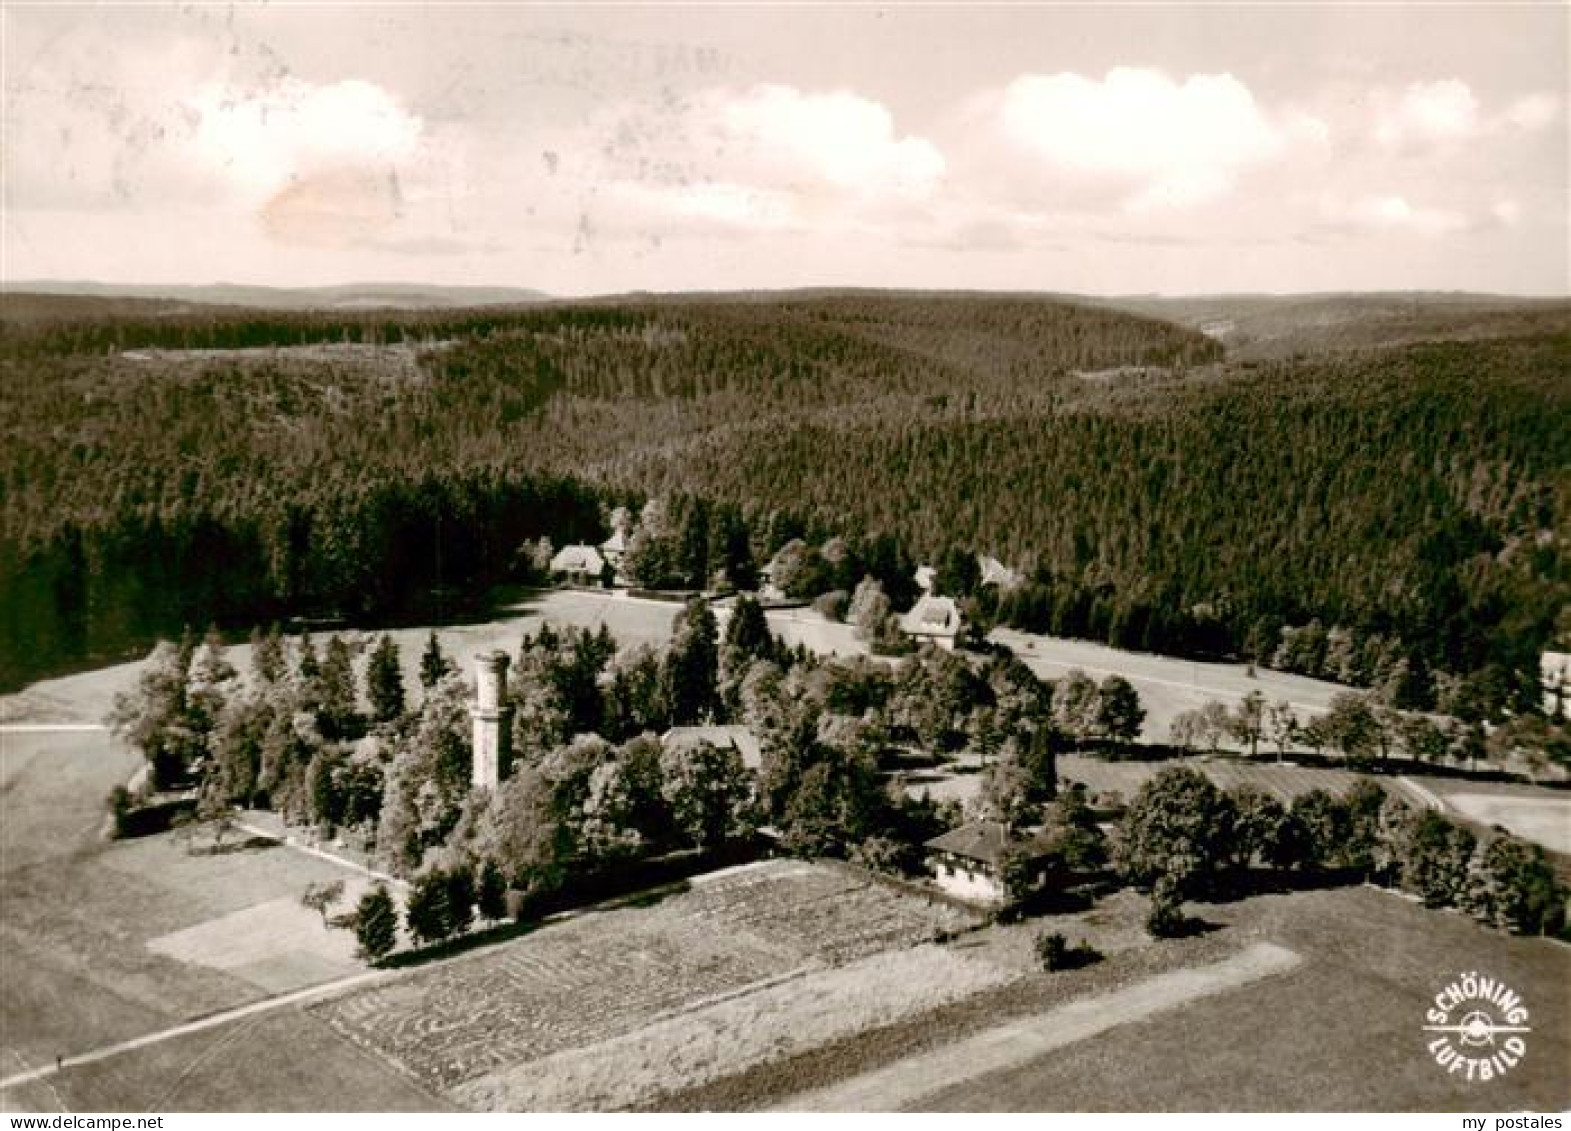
<point x="1183" y="838"/>
<point x="141" y="494"/>
<point x="1390" y="515"/>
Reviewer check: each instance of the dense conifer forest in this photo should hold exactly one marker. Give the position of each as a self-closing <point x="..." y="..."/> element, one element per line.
<point x="1365" y="514"/>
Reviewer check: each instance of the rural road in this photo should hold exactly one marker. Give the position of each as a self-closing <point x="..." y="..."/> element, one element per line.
<point x="904" y="1084"/>
<point x="52" y="728"/>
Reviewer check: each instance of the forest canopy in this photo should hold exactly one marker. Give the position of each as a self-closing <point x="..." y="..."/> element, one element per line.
<point x="166" y="464"/>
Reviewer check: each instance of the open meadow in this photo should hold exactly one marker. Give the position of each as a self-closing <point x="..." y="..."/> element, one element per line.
<point x="1282" y="1003"/>
<point x="1168" y="685"/>
<point x="1340" y="1032"/>
<point x="110" y="940"/>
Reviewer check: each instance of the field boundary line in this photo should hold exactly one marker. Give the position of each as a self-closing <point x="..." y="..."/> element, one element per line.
<point x="211" y="1021"/>
<point x="905" y="1083"/>
<point x="53" y="728"/>
<point x="288" y="841"/>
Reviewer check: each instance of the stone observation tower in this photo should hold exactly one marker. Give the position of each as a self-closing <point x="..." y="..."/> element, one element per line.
<point x="493" y="720"/>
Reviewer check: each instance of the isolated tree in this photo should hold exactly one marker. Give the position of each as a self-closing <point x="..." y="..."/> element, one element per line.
<point x="1077" y="705"/>
<point x="1248" y="723"/>
<point x="1434" y="859"/>
<point x="869" y="610"/>
<point x="1214" y="724"/>
<point x="155" y="717"/>
<point x="119" y="804"/>
<point x="1281" y="727"/>
<point x="319" y="897"/>
<point x="212" y="665"/>
<point x="1074" y="838"/>
<point x="433" y="664"/>
<point x="1006" y="795"/>
<point x="1324" y="826"/>
<point x="746" y="639"/>
<point x="1184" y="730"/>
<point x="376" y="924"/>
<point x="1514" y="888"/>
<point x="1165" y="918"/>
<point x="1258" y="826"/>
<point x="215" y="812"/>
<point x="384" y="681"/>
<point x="307" y="666"/>
<point x="1119" y="712"/>
<point x="322" y="787"/>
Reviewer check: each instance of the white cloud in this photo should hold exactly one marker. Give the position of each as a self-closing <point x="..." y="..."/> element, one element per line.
<point x="769" y="157"/>
<point x="838" y="138"/>
<point x="1157" y="141"/>
<point x="1394" y="214"/>
<point x="1427" y="114"/>
<point x="1534" y="112"/>
<point x="295" y="130"/>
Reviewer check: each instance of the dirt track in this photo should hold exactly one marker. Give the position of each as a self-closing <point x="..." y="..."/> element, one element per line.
<point x="904" y="1084"/>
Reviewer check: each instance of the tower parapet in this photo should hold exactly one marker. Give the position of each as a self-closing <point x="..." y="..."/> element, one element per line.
<point x="493" y="717"/>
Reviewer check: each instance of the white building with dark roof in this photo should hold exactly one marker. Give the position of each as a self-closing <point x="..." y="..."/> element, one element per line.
<point x="933" y="620"/>
<point x="580" y="564"/>
<point x="968" y="861"/>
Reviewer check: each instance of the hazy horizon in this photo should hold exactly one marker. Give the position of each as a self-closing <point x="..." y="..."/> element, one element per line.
<point x="1168" y="150"/>
<point x="22" y="286"/>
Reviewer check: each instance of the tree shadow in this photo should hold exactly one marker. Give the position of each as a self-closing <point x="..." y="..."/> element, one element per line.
<point x="232" y="847"/>
<point x="1238" y="886"/>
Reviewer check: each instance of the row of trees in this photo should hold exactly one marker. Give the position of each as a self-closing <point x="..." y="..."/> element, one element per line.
<point x="1365" y="728"/>
<point x="1183" y="838"/>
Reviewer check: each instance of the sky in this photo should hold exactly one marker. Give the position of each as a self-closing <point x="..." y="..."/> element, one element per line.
<point x="581" y="149"/>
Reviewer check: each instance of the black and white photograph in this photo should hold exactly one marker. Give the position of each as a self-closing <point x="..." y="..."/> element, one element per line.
<point x="784" y="558"/>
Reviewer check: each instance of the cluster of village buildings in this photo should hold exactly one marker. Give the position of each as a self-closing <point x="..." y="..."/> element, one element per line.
<point x="934" y="618"/>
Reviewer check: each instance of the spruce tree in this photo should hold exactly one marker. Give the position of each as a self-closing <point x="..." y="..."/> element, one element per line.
<point x="385" y="682"/>
<point x="433" y="664"/>
<point x="376" y="924"/>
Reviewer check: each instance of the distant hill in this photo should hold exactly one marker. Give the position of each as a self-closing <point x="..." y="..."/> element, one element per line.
<point x="1263" y="327"/>
<point x="347" y="296"/>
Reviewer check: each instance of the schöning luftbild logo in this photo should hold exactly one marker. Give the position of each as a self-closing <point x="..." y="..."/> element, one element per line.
<point x="1478" y="1026"/>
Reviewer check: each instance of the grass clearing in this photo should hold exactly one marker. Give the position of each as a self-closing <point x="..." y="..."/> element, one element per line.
<point x="906" y="1083"/>
<point x="1168" y="685"/>
<point x="277" y="1062"/>
<point x="107" y="940"/>
<point x="1544" y="820"/>
<point x="1340" y="1033"/>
